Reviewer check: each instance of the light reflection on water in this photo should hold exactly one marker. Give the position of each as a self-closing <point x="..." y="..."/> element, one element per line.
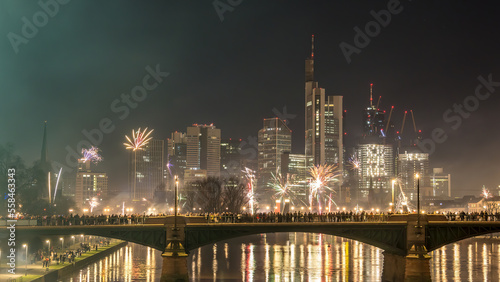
<point x="294" y="257"/>
<point x="475" y="259"/>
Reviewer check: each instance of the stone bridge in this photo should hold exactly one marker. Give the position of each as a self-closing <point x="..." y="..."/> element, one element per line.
<point x="396" y="236"/>
<point x="400" y="236"/>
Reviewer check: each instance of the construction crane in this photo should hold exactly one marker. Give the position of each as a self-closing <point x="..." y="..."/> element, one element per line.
<point x="417" y="133"/>
<point x="378" y="102"/>
<point x="403" y="125"/>
<point x="389" y="119"/>
<point x="413" y="119"/>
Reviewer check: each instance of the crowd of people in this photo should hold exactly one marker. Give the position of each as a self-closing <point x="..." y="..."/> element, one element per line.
<point x="227" y="217"/>
<point x="58" y="255"/>
<point x="297" y="216"/>
<point x="474" y="216"/>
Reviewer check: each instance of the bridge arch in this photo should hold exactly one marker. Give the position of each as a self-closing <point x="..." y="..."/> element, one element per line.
<point x="153" y="235"/>
<point x="389" y="237"/>
<point x="442" y="234"/>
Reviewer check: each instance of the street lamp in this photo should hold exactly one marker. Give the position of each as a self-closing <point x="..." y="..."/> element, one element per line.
<point x="418" y="200"/>
<point x="62" y="242"/>
<point x="48" y="250"/>
<point x="393" y="182"/>
<point x="176" y="195"/>
<point x="73" y="237"/>
<point x="26" y="246"/>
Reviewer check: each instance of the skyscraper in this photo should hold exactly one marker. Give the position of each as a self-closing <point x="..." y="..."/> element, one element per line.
<point x="295" y="165"/>
<point x="373" y="119"/>
<point x="323" y="122"/>
<point x="376" y="169"/>
<point x="230" y="157"/>
<point x="412" y="161"/>
<point x="274" y="139"/>
<point x="90" y="184"/>
<point x="203" y="148"/>
<point x="177" y="153"/>
<point x="441" y="183"/>
<point x="148" y="166"/>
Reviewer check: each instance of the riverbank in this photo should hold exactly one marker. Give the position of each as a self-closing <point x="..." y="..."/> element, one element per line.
<point x="56" y="271"/>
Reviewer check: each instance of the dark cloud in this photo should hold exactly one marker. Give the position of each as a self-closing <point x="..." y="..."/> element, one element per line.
<point x="233" y="73"/>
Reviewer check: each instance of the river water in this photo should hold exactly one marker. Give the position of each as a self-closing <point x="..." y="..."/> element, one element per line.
<point x="295" y="257"/>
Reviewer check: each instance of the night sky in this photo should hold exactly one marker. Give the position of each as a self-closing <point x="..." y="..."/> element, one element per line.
<point x="234" y="72"/>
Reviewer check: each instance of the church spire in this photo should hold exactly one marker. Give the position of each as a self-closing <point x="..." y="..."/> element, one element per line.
<point x="44" y="156"/>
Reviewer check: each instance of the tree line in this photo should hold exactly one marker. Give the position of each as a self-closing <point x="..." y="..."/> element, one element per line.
<point x="28" y="183"/>
<point x="216" y="194"/>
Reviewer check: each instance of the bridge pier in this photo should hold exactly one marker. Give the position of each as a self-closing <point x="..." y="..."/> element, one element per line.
<point x="174" y="269"/>
<point x="416" y="236"/>
<point x="174" y="266"/>
<point x="405" y="268"/>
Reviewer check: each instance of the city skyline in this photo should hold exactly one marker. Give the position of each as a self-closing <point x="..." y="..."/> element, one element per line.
<point x="426" y="83"/>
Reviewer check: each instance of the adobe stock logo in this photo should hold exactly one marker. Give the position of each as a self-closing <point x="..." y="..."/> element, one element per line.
<point x="121" y="108"/>
<point x="372" y="29"/>
<point x="29" y="30"/>
<point x="225" y="6"/>
<point x="462" y="111"/>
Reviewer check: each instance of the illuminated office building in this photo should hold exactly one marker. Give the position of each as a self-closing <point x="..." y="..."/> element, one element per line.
<point x="410" y="163"/>
<point x="274" y="139"/>
<point x="148" y="167"/>
<point x="376" y="167"/>
<point x="90" y="185"/>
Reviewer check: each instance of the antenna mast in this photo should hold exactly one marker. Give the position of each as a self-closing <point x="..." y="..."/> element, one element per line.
<point x="371" y="96"/>
<point x="312" y="47"/>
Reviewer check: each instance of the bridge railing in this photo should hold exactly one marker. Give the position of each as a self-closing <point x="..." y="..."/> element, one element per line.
<point x="294" y="217"/>
<point x="234" y="218"/>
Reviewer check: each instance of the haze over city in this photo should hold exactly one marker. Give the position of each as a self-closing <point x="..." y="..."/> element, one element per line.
<point x="249" y="140"/>
<point x="234" y="73"/>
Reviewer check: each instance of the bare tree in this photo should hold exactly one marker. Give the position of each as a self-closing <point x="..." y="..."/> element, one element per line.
<point x="210" y="193"/>
<point x="191" y="199"/>
<point x="235" y="195"/>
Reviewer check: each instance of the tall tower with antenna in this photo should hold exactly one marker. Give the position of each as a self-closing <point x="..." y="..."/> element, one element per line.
<point x="313" y="97"/>
<point x="373" y="119"/>
<point x="323" y="121"/>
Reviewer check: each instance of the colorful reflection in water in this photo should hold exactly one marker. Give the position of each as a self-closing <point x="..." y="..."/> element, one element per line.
<point x="294" y="257"/>
<point x="475" y="259"/>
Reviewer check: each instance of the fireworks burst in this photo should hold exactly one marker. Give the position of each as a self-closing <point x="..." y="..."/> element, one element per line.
<point x="250" y="175"/>
<point x="353" y="163"/>
<point x="169" y="165"/>
<point x="139" y="139"/>
<point x="322" y="176"/>
<point x="402" y="203"/>
<point x="93" y="203"/>
<point x="92" y="155"/>
<point x="57" y="183"/>
<point x="282" y="184"/>
<point x="486" y="193"/>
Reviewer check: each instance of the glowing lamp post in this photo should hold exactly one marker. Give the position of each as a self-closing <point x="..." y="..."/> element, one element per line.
<point x="392" y="202"/>
<point x="26" y="246"/>
<point x="418" y="200"/>
<point x="48" y="249"/>
<point x="176" y="195"/>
